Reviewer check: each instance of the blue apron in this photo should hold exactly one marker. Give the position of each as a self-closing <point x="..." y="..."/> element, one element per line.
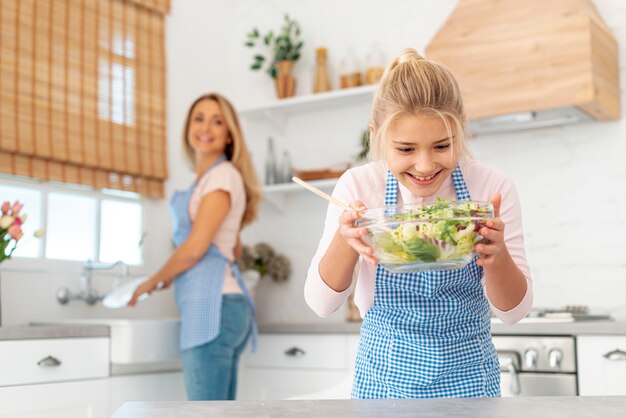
<point x="198" y="290"/>
<point x="427" y="334"/>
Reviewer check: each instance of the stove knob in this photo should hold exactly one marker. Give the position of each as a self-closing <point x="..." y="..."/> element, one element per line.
<point x="554" y="358"/>
<point x="530" y="358"/>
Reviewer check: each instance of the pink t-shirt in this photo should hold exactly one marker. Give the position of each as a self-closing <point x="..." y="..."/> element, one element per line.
<point x="367" y="184"/>
<point x="226" y="177"/>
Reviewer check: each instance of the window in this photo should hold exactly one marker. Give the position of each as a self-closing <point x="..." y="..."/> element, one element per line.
<point x="70" y="233"/>
<point x="121" y="231"/>
<point x="82" y="93"/>
<point x="80" y="224"/>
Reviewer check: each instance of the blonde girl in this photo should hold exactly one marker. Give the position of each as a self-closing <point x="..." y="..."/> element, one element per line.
<point x="217" y="314"/>
<point x="424" y="334"/>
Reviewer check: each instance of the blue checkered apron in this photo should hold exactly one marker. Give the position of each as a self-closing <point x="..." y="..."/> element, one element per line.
<point x="427" y="334"/>
<point x="198" y="290"/>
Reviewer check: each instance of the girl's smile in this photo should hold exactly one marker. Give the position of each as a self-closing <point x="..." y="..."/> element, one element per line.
<point x="423" y="180"/>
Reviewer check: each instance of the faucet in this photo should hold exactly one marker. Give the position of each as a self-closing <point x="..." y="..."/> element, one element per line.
<point x="87" y="291"/>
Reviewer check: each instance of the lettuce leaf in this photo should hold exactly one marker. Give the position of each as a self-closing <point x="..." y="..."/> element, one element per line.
<point x="422" y="250"/>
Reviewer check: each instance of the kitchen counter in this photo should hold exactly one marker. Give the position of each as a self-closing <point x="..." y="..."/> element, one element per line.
<point x="564" y="328"/>
<point x="312" y="328"/>
<point x="553" y="407"/>
<point x="530" y="328"/>
<point x="37" y="332"/>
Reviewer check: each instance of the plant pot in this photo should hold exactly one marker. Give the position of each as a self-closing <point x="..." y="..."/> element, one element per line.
<point x="285" y="82"/>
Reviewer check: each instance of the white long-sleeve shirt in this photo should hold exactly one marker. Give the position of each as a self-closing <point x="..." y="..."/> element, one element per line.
<point x="367" y="183"/>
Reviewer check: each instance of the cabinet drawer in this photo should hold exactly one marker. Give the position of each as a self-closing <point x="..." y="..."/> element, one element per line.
<point x="601" y="365"/>
<point x="301" y="350"/>
<point x="53" y="360"/>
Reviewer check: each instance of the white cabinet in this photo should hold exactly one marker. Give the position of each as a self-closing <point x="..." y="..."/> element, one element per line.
<point x="292" y="365"/>
<point x="79" y="366"/>
<point x="146" y="387"/>
<point x="79" y="399"/>
<point x="601" y="365"/>
<point x="69" y="378"/>
<point x="53" y="360"/>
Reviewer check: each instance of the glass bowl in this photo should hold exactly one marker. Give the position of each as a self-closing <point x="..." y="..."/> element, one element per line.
<point x="425" y="236"/>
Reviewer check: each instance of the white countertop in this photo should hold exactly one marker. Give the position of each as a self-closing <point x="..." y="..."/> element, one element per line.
<point x="38" y="332"/>
<point x="528" y="407"/>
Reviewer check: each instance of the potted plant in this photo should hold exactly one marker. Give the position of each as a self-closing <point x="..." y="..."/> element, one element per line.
<point x="284" y="50"/>
<point x="261" y="260"/>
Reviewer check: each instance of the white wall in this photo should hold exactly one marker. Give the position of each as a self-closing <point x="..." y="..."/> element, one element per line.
<point x="570" y="179"/>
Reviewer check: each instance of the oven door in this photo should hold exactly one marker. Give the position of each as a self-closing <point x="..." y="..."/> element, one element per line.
<point x="514" y="382"/>
<point x="537" y="384"/>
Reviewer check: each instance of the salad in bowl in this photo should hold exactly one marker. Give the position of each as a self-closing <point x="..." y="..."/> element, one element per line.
<point x="428" y="236"/>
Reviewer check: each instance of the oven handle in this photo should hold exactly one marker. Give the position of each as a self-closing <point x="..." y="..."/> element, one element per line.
<point x="508" y="362"/>
<point x="615" y="355"/>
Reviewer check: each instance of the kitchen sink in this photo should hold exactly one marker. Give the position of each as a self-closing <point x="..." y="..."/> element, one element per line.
<point x="138" y="345"/>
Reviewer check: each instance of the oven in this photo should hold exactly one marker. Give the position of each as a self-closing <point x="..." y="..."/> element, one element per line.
<point x="537" y="365"/>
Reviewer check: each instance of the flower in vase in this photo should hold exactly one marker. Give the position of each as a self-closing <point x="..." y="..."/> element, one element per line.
<point x="263" y="259"/>
<point x="11" y="228"/>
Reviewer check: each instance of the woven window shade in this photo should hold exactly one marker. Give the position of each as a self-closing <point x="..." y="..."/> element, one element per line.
<point x="82" y="92"/>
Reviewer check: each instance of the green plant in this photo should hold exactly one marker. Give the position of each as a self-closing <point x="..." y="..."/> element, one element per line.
<point x="283" y="46"/>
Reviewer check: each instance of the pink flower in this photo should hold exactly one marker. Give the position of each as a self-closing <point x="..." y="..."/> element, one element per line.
<point x="16" y="232"/>
<point x="16" y="208"/>
<point x="5" y="207"/>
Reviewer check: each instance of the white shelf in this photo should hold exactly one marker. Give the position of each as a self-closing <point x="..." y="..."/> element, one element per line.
<point x="276" y="194"/>
<point x="276" y="112"/>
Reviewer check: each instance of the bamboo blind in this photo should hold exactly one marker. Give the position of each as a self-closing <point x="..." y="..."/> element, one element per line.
<point x="82" y="92"/>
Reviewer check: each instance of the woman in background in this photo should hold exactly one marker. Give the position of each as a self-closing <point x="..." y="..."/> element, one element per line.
<point x="217" y="314"/>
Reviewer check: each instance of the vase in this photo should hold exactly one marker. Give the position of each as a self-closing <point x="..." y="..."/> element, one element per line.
<point x="285" y="81"/>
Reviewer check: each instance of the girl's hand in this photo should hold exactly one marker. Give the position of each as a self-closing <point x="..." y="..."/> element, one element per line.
<point x="353" y="235"/>
<point x="148" y="287"/>
<point x="493" y="232"/>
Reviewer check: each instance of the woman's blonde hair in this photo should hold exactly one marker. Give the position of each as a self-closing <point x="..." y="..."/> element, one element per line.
<point x="236" y="152"/>
<point x="413" y="85"/>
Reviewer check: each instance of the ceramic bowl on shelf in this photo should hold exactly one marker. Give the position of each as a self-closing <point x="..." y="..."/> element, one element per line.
<point x="429" y="236"/>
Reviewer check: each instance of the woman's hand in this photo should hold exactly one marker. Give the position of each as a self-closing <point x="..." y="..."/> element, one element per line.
<point x="148" y="287"/>
<point x="353" y="235"/>
<point x="493" y="232"/>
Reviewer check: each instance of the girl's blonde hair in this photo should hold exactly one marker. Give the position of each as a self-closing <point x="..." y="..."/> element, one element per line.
<point x="414" y="85"/>
<point x="236" y="152"/>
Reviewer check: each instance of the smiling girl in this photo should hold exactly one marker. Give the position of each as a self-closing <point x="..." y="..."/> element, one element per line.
<point x="217" y="314"/>
<point x="424" y="334"/>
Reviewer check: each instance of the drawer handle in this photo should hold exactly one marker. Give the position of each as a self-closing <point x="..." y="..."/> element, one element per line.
<point x="615" y="355"/>
<point x="295" y="352"/>
<point x="49" y="362"/>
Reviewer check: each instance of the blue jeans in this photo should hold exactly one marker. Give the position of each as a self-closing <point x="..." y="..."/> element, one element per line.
<point x="210" y="369"/>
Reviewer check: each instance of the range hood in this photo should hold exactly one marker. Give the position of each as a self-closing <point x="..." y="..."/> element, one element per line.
<point x="525" y="64"/>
